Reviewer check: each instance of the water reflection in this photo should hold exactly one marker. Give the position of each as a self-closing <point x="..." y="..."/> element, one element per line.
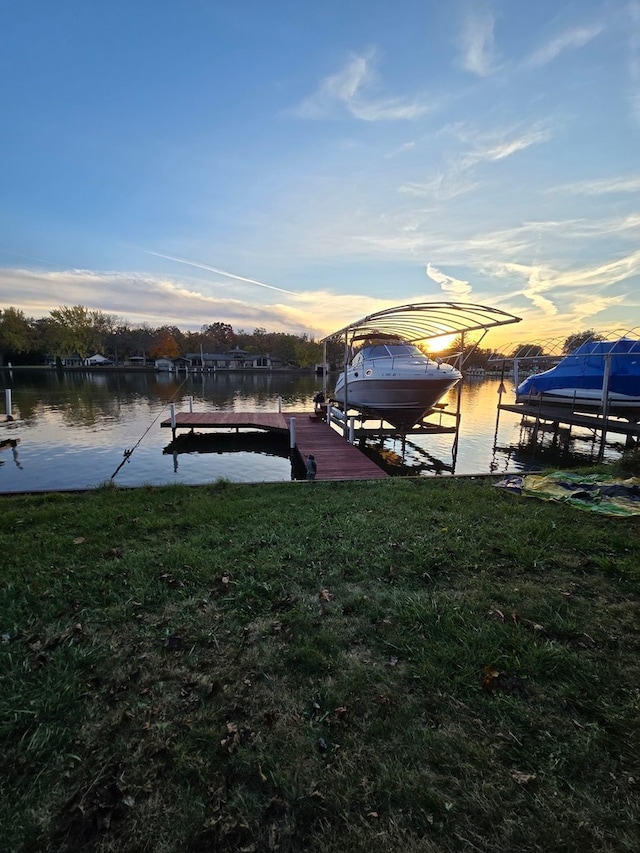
<point x="12" y="444"/>
<point x="73" y="430"/>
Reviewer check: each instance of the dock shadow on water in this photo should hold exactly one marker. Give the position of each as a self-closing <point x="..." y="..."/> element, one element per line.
<point x="248" y="443"/>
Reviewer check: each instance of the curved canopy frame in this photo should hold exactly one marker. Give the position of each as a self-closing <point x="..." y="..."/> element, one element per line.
<point x="421" y="321"/>
<point x="546" y="348"/>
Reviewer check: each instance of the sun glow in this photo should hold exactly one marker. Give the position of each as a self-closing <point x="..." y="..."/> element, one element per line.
<point x="442" y="342"/>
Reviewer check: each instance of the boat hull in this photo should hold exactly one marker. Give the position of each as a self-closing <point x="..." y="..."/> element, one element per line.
<point x="401" y="402"/>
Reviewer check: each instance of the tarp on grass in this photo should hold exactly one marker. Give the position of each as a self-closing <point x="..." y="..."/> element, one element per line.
<point x="595" y="492"/>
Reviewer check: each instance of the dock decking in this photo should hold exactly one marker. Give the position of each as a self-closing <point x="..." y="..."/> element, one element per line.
<point x="336" y="459"/>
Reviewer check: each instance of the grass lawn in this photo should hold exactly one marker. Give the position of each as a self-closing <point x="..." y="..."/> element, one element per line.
<point x="401" y="665"/>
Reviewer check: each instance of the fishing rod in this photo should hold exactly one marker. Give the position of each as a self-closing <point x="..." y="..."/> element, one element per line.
<point x="129" y="451"/>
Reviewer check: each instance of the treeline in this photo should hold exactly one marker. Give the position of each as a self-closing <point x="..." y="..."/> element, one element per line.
<point x="82" y="331"/>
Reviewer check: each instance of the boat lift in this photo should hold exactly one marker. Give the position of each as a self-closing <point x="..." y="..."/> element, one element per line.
<point x="414" y="323"/>
<point x="555" y="417"/>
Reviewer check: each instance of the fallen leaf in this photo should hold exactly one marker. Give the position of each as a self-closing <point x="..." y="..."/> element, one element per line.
<point x="489" y="680"/>
<point x="79" y="540"/>
<point x="325" y="595"/>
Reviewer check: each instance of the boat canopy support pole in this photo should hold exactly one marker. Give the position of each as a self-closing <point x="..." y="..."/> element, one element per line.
<point x="324" y="369"/>
<point x="605" y="403"/>
<point x="345" y="384"/>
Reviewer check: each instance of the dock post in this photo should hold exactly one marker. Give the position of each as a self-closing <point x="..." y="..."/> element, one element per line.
<point x="172" y="409"/>
<point x="191" y="404"/>
<point x="352" y="437"/>
<point x="7" y="397"/>
<point x="292" y="433"/>
<point x="279" y="405"/>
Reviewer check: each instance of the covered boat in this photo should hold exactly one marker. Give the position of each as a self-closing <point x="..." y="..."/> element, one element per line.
<point x="597" y="375"/>
<point x="387" y="375"/>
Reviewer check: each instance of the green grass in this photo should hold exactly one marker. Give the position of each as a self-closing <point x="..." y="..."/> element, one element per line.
<point x="415" y="665"/>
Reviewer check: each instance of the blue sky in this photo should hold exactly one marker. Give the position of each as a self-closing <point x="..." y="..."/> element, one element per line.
<point x="297" y="165"/>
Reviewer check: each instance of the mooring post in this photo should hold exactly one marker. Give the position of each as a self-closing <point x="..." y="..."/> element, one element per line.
<point x="7" y="397"/>
<point x="279" y="405"/>
<point x="172" y="410"/>
<point x="191" y="404"/>
<point x="352" y="436"/>
<point x="292" y="433"/>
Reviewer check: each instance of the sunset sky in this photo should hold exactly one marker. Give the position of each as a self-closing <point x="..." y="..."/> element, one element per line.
<point x="297" y="165"/>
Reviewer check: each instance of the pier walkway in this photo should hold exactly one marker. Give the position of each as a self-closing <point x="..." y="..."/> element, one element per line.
<point x="336" y="459"/>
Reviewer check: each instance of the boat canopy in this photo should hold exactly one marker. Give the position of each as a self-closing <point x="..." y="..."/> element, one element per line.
<point x="422" y="321"/>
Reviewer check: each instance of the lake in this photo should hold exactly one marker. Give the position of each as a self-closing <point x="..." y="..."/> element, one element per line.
<point x="73" y="429"/>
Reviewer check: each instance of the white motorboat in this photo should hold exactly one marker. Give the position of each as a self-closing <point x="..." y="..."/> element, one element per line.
<point x="396" y="381"/>
<point x="387" y="376"/>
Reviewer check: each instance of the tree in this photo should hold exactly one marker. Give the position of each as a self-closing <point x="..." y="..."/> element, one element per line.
<point x="218" y="337"/>
<point x="16" y="333"/>
<point x="79" y="330"/>
<point x="165" y="344"/>
<point x="578" y="338"/>
<point x="527" y="351"/>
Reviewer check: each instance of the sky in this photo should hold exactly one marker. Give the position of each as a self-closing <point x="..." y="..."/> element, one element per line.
<point x="295" y="166"/>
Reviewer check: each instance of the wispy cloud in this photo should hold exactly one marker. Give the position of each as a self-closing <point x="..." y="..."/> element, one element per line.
<point x="143" y="298"/>
<point x="457" y="177"/>
<point x="220" y="272"/>
<point x="477" y="43"/>
<point x="500" y="143"/>
<point x="442" y="186"/>
<point x="349" y="90"/>
<point x="451" y="286"/>
<point x="570" y="39"/>
<point x="406" y="146"/>
<point x="587" y="306"/>
<point x="579" y="290"/>
<point x="602" y="186"/>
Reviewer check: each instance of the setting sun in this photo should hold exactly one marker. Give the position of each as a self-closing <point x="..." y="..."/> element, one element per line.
<point x="442" y="342"/>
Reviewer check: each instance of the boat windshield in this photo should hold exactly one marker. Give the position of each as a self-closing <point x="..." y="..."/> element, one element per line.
<point x="405" y="349"/>
<point x="386" y="350"/>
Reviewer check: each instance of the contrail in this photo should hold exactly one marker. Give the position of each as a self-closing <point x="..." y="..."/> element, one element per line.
<point x="222" y="272"/>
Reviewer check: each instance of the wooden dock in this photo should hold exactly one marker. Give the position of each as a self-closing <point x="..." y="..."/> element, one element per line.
<point x="336" y="459"/>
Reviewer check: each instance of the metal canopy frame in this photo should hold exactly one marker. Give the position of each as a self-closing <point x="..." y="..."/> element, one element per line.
<point x="553" y="348"/>
<point x="422" y="321"/>
<point x="414" y="322"/>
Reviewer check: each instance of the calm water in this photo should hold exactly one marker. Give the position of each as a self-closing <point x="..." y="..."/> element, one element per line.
<point x="72" y="431"/>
